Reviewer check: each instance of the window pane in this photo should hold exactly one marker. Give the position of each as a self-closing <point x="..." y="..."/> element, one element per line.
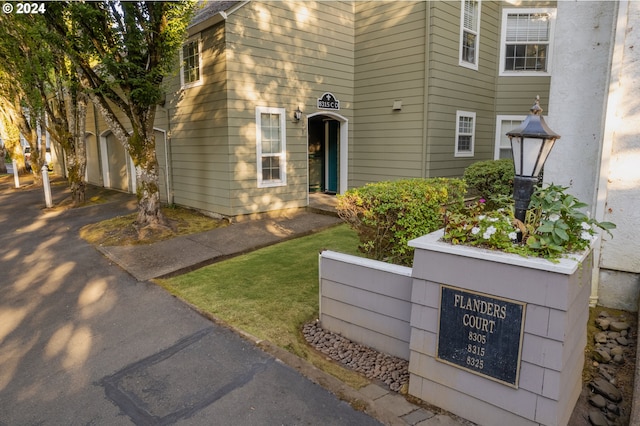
<point x="464" y="143"/>
<point x="526" y="57"/>
<point x="465" y="125"/>
<point x="471" y="15"/>
<point x="527" y="27"/>
<point x="469" y="47"/>
<point x="270" y="168"/>
<point x="191" y="62"/>
<point x="270" y="128"/>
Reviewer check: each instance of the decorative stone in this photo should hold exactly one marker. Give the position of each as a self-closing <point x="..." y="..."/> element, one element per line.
<point x="613" y="408"/>
<point x="618" y="326"/>
<point x="616" y="351"/>
<point x="603" y="323"/>
<point x="622" y="340"/>
<point x="600" y="337"/>
<point x="601" y="355"/>
<point x="598" y="401"/>
<point x="596" y="418"/>
<point x="606" y="389"/>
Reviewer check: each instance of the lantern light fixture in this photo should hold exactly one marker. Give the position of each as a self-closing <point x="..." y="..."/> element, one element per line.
<point x="297" y="115"/>
<point x="531" y="144"/>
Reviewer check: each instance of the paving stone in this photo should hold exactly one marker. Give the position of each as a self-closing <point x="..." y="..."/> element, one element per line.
<point x="373" y="391"/>
<point x="414" y="417"/>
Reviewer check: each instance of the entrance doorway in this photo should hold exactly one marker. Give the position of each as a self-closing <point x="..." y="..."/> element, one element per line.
<point x="324" y="154"/>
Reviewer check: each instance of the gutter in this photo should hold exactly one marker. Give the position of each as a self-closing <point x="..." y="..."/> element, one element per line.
<point x="215" y="19"/>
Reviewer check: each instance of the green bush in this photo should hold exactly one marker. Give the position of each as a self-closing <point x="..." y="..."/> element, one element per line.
<point x="491" y="180"/>
<point x="386" y="215"/>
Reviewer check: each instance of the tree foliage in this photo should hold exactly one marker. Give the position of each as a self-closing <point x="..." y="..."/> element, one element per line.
<point x="20" y="71"/>
<point x="122" y="51"/>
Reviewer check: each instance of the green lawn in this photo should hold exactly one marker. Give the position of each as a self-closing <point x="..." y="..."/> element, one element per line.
<point x="268" y="293"/>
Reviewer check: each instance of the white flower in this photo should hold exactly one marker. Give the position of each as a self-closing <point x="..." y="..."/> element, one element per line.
<point x="553" y="217"/>
<point x="489" y="232"/>
<point x="481" y="217"/>
<point x="585" y="226"/>
<point x="494" y="219"/>
<point x="513" y="235"/>
<point x="587" y="236"/>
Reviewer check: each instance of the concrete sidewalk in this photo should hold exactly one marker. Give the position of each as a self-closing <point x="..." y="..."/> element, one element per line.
<point x="184" y="253"/>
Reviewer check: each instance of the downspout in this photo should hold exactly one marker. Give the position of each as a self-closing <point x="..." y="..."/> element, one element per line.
<point x="609" y="128"/>
<point x="168" y="159"/>
<point x="426" y="153"/>
<point x="98" y="144"/>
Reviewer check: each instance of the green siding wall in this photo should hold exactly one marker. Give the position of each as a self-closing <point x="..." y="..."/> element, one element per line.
<point x="389" y="66"/>
<point x="453" y="87"/>
<point x="199" y="149"/>
<point x="284" y="55"/>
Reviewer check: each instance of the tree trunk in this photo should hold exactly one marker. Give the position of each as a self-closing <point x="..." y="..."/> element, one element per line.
<point x="3" y="154"/>
<point x="147" y="176"/>
<point x="77" y="157"/>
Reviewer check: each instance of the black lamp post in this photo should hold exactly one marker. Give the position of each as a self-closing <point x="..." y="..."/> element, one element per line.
<point x="530" y="146"/>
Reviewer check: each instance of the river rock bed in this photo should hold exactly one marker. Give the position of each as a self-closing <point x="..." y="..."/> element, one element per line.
<point x="613" y="358"/>
<point x="392" y="371"/>
<point x="609" y="371"/>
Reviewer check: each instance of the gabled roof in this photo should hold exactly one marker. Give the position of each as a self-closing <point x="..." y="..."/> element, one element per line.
<point x="206" y="9"/>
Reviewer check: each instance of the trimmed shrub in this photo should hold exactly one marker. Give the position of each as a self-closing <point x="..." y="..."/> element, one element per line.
<point x="491" y="180"/>
<point x="386" y="215"/>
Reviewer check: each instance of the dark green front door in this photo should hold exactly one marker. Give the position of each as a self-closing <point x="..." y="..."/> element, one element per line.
<point x="332" y="156"/>
<point x="324" y="145"/>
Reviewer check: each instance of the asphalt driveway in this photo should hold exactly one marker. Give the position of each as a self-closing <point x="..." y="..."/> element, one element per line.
<point x="83" y="342"/>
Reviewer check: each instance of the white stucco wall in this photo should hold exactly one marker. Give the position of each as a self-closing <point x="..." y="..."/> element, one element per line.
<point x="579" y="84"/>
<point x="594" y="106"/>
<point x="620" y="256"/>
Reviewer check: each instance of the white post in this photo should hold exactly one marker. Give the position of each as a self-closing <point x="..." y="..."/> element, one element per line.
<point x="16" y="179"/>
<point x="47" y="186"/>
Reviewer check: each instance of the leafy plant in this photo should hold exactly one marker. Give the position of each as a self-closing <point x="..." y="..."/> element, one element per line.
<point x="491" y="180"/>
<point x="554" y="226"/>
<point x="386" y="215"/>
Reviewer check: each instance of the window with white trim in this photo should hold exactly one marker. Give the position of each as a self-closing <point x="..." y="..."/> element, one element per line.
<point x="191" y="69"/>
<point x="270" y="146"/>
<point x="465" y="133"/>
<point x="526" y="41"/>
<point x="504" y="124"/>
<point x="469" y="33"/>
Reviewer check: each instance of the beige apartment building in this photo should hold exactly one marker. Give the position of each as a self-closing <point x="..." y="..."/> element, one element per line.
<point x="272" y="101"/>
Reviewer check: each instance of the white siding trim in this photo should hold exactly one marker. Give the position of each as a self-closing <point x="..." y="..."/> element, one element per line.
<point x="470" y="152"/>
<point x="498" y="137"/>
<point x="283" y="147"/>
<point x="344" y="149"/>
<point x="503" y="40"/>
<point x="462" y="62"/>
<point x="198" y="82"/>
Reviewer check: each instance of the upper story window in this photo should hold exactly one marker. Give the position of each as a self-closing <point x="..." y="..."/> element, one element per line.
<point x="526" y="41"/>
<point x="469" y="33"/>
<point x="504" y="124"/>
<point x="191" y="70"/>
<point x="465" y="133"/>
<point x="270" y="146"/>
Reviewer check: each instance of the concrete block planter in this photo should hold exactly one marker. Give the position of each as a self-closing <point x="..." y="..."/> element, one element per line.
<point x="541" y="306"/>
